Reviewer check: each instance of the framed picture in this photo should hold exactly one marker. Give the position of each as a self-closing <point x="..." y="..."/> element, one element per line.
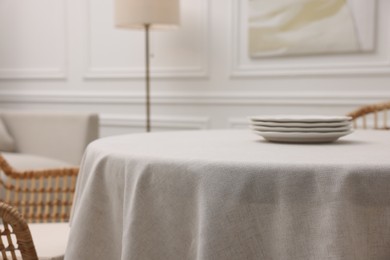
<point x="310" y="27"/>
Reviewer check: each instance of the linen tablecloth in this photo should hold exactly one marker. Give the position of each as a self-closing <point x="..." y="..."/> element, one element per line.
<point x="229" y="194"/>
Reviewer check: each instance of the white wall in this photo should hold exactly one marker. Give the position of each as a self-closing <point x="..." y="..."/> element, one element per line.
<point x="67" y="55"/>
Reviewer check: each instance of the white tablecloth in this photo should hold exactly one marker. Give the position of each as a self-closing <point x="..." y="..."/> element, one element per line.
<point x="228" y="194"/>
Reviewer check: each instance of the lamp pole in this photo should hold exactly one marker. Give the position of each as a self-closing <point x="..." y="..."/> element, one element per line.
<point x="147" y="77"/>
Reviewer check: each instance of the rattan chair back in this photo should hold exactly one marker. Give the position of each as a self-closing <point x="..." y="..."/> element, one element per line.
<point x="375" y="113"/>
<point x="15" y="237"/>
<point x="39" y="195"/>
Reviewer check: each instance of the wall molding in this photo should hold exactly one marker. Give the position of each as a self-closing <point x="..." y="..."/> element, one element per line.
<point x="41" y="72"/>
<point x="136" y="73"/>
<point x="198" y="98"/>
<point x="158" y="122"/>
<point x="369" y="66"/>
<point x="33" y="73"/>
<point x="201" y="71"/>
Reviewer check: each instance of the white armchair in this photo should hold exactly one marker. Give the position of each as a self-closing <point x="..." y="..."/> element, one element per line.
<point x="59" y="136"/>
<point x="39" y="157"/>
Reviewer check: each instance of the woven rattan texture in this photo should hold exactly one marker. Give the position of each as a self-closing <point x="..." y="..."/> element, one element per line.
<point x="371" y="116"/>
<point x="39" y="195"/>
<point x="15" y="236"/>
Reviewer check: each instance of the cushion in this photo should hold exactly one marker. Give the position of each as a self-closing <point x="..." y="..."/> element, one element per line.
<point x="50" y="239"/>
<point x="7" y="143"/>
<point x="21" y="162"/>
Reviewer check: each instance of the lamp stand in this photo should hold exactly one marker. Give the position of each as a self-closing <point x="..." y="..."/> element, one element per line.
<point x="147" y="77"/>
<point x="147" y="15"/>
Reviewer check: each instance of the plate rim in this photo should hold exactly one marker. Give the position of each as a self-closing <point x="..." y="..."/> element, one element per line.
<point x="300" y="118"/>
<point x="302" y="129"/>
<point x="301" y="124"/>
<point x="302" y="137"/>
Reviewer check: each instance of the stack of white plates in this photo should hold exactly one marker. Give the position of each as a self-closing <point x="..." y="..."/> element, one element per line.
<point x="301" y="129"/>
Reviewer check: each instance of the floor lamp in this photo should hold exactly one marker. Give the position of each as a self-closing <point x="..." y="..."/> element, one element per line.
<point x="146" y="15"/>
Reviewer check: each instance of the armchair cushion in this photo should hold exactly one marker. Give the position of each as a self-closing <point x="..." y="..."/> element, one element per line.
<point x="7" y="143"/>
<point x="50" y="239"/>
<point x="24" y="162"/>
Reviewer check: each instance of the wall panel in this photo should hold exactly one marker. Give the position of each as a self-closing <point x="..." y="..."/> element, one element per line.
<point x="33" y="39"/>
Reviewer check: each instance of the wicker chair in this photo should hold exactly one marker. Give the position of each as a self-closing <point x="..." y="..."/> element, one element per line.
<point x="39" y="195"/>
<point x="15" y="236"/>
<point x="375" y="111"/>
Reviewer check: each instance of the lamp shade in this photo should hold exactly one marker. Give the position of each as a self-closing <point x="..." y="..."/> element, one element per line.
<point x="135" y="14"/>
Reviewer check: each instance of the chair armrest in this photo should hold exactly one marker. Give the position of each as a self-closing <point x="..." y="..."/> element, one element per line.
<point x="62" y="136"/>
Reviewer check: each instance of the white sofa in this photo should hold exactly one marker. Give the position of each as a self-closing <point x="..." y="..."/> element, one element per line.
<point x="41" y="140"/>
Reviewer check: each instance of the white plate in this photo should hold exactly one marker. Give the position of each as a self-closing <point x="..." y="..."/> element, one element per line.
<point x="289" y="137"/>
<point x="300" y="118"/>
<point x="306" y="125"/>
<point x="301" y="129"/>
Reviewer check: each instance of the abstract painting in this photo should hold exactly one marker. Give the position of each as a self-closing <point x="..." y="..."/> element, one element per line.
<point x="310" y="27"/>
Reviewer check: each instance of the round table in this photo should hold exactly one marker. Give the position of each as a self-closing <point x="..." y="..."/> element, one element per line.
<point x="229" y="194"/>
